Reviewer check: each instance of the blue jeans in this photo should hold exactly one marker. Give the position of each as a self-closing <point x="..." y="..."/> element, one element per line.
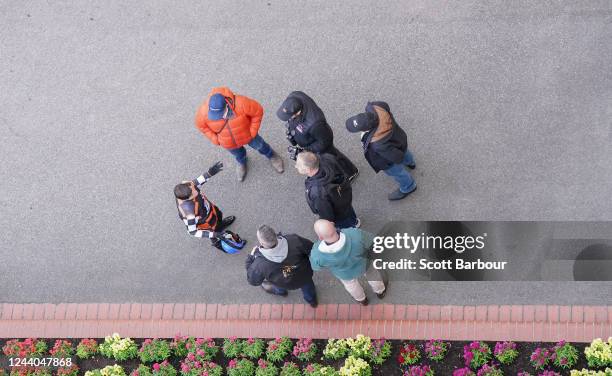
<point x="350" y="221"/>
<point x="401" y="175"/>
<point x="258" y="144"/>
<point x="308" y="291"/>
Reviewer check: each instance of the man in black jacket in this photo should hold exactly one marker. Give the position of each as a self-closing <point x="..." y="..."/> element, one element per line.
<point x="328" y="191"/>
<point x="385" y="146"/>
<point x="308" y="129"/>
<point x="281" y="263"/>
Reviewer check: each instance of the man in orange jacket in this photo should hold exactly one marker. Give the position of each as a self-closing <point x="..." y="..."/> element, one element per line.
<point x="232" y="121"/>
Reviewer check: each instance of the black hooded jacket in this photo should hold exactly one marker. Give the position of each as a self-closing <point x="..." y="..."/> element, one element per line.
<point x="328" y="192"/>
<point x="310" y="129"/>
<point x="291" y="273"/>
<point x="389" y="150"/>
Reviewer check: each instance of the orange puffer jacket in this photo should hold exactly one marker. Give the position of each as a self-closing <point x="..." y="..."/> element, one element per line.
<point x="241" y="128"/>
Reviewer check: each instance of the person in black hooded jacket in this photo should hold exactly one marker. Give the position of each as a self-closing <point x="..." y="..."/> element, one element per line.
<point x="308" y="129"/>
<point x="328" y="191"/>
<point x="281" y="263"/>
<point x="385" y="146"/>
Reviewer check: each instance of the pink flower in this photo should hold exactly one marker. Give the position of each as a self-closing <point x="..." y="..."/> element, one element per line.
<point x="156" y="367"/>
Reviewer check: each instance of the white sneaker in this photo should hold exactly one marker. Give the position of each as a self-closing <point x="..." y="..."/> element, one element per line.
<point x="358" y="224"/>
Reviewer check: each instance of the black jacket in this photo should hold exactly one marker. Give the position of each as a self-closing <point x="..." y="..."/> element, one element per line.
<point x="292" y="273"/>
<point x="310" y="129"/>
<point x="328" y="192"/>
<point x="389" y="150"/>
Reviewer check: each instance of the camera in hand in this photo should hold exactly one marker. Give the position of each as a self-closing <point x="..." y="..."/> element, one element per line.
<point x="293" y="151"/>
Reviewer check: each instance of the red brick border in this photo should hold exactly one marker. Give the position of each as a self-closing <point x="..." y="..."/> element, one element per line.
<point x="486" y="322"/>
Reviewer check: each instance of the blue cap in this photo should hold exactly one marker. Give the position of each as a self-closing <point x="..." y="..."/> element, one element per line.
<point x="216" y="107"/>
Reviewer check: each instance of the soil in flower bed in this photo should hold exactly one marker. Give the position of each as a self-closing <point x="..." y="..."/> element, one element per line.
<point x="453" y="360"/>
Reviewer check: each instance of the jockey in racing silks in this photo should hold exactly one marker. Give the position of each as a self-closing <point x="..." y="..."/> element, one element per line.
<point x="203" y="218"/>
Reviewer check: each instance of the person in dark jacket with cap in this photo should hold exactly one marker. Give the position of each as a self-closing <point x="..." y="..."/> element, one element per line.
<point x="385" y="146"/>
<point x="281" y="263"/>
<point x="328" y="191"/>
<point x="307" y="129"/>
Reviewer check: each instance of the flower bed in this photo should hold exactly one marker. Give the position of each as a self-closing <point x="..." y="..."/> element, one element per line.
<point x="360" y="356"/>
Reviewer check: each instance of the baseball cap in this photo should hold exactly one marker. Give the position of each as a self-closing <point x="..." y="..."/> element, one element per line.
<point x="289" y="107"/>
<point x="216" y="107"/>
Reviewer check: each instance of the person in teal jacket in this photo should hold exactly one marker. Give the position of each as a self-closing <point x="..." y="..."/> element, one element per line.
<point x="345" y="254"/>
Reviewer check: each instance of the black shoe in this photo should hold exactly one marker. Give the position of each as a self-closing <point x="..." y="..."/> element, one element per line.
<point x="314" y="303"/>
<point x="226" y="222"/>
<point x="382" y="294"/>
<point x="269" y="288"/>
<point x="398" y="195"/>
<point x="353" y="177"/>
<point x="363" y="302"/>
<point x="411" y="166"/>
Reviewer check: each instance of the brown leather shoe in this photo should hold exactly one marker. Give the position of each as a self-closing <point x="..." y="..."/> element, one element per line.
<point x="277" y="163"/>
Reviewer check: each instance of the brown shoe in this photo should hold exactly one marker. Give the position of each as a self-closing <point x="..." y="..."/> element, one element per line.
<point x="277" y="163"/>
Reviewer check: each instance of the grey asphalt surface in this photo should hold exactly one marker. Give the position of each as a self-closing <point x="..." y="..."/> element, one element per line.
<point x="508" y="108"/>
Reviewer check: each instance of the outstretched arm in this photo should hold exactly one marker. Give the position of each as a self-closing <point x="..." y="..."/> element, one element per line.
<point x="213" y="170"/>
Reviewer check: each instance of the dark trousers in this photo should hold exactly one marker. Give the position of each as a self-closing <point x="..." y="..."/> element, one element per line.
<point x="349" y="221"/>
<point x="308" y="291"/>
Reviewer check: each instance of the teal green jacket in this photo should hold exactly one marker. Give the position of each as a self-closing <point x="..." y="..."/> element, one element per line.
<point x="350" y="261"/>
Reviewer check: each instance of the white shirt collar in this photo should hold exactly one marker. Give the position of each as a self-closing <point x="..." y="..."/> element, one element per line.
<point x="333" y="248"/>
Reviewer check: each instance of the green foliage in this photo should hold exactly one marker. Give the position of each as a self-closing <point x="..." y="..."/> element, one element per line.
<point x="359" y="347"/>
<point x="305" y="349"/>
<point x="316" y="369"/>
<point x="142" y="370"/>
<point x="87" y="348"/>
<point x="599" y="353"/>
<point x="290" y="369"/>
<point x="114" y="370"/>
<point x="118" y="348"/>
<point x="278" y="349"/>
<point x="566" y="355"/>
<point x="240" y="367"/>
<point x="265" y="368"/>
<point x="232" y="347"/>
<point x="62" y="349"/>
<point x="355" y="367"/>
<point x="196" y="368"/>
<point x="409" y="354"/>
<point x="73" y="370"/>
<point x="335" y="349"/>
<point x="154" y="350"/>
<point x="380" y="351"/>
<point x="28" y="348"/>
<point x="179" y="345"/>
<point x="253" y="348"/>
<point x="586" y="372"/>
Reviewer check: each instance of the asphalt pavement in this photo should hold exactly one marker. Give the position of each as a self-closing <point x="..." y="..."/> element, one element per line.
<point x="507" y="107"/>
